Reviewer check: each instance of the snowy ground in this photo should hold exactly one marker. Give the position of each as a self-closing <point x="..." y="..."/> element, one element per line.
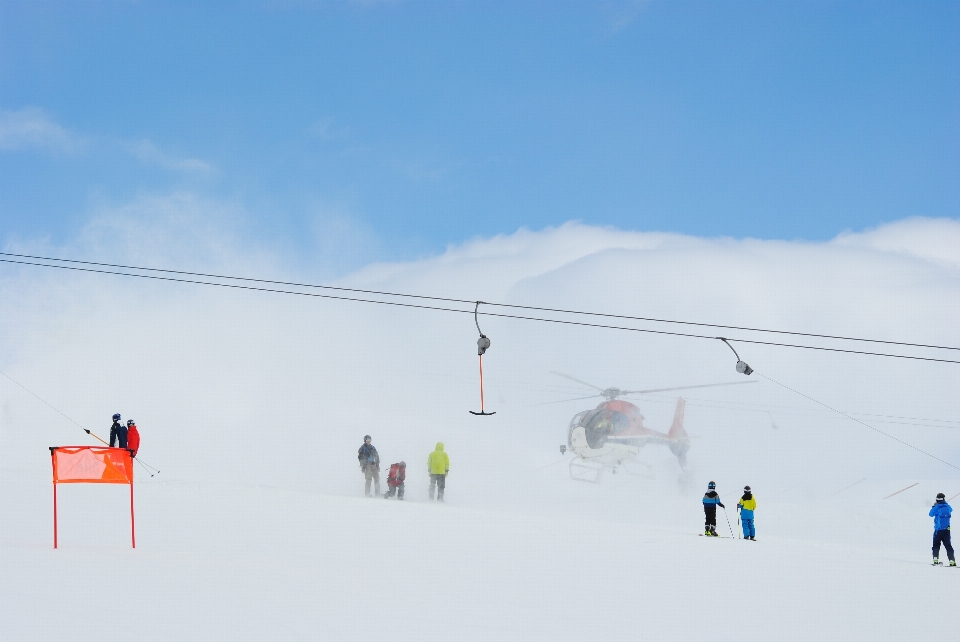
<point x="235" y="562"/>
<point x="253" y="407"/>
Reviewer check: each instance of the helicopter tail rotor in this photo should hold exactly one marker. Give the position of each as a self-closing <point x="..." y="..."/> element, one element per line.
<point x="679" y="439"/>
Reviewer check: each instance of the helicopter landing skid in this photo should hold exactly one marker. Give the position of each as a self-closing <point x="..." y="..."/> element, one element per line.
<point x="584" y="472"/>
<point x="482" y="413"/>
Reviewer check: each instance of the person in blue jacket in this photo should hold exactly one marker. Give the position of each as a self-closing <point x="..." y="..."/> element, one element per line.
<point x="710" y="502"/>
<point x="941" y="528"/>
<point x="746" y="506"/>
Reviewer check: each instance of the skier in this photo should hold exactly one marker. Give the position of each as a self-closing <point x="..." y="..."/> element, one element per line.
<point x="710" y="502"/>
<point x="369" y="464"/>
<point x="438" y="465"/>
<point x="746" y="506"/>
<point x="118" y="432"/>
<point x="133" y="438"/>
<point x="395" y="479"/>
<point x="941" y="529"/>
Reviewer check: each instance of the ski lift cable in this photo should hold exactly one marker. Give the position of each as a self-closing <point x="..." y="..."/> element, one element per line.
<point x="491" y="314"/>
<point x="862" y="423"/>
<point x="503" y="305"/>
<point x="57" y="410"/>
<point x="744" y="368"/>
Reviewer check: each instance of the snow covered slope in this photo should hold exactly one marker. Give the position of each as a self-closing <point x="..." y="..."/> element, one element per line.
<point x="253" y="406"/>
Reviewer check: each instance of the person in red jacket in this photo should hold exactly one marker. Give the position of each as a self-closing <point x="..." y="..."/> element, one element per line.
<point x="133" y="438"/>
<point x="395" y="479"/>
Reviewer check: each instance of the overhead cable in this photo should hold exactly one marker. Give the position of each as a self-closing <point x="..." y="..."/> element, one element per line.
<point x="460" y="311"/>
<point x="862" y="423"/>
<point x="503" y="305"/>
<point x="146" y="466"/>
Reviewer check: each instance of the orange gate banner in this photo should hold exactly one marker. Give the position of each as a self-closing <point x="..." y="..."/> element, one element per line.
<point x="92" y="465"/>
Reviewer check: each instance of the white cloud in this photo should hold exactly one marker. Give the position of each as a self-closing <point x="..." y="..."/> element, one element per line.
<point x="327" y="129"/>
<point x="622" y="14"/>
<point x="321" y="128"/>
<point x="927" y="239"/>
<point x="320" y="372"/>
<point x="30" y="127"/>
<point x="148" y="153"/>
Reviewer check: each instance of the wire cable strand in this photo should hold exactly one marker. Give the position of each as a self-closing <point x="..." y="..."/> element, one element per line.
<point x="862" y="423"/>
<point x="491" y="314"/>
<point x="502" y="305"/>
<point x="147" y="467"/>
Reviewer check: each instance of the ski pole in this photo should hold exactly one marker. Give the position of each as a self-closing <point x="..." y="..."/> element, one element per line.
<point x="144" y="466"/>
<point x="728" y="521"/>
<point x="148" y="466"/>
<point x="738" y="522"/>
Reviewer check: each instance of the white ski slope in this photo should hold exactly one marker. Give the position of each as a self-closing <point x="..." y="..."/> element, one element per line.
<point x="221" y="561"/>
<point x="253" y="407"/>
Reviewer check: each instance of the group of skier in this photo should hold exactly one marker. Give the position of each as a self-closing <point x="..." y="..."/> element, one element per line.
<point x="438" y="467"/>
<point x="125" y="436"/>
<point x="746" y="506"/>
<point x="940" y="512"/>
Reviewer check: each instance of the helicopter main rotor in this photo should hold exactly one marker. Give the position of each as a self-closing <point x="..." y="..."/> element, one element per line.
<point x="611" y="394"/>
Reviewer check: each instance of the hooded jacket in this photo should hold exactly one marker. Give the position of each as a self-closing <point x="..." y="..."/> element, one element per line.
<point x="747" y="505"/>
<point x="941" y="515"/>
<point x="438" y="463"/>
<point x="133" y="439"/>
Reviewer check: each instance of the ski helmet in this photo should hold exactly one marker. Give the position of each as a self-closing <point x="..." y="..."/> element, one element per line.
<point x="712" y="485"/>
<point x="403" y="464"/>
<point x="131" y="422"/>
<point x="746" y="489"/>
<point x="116" y="417"/>
<point x="367" y="437"/>
<point x="941" y="496"/>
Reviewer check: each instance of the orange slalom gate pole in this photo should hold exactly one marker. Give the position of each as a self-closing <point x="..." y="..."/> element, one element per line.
<point x="54" y="466"/>
<point x="54" y="514"/>
<point x="133" y="530"/>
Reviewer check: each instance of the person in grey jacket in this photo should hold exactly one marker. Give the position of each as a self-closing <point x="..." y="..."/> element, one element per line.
<point x="370" y="464"/>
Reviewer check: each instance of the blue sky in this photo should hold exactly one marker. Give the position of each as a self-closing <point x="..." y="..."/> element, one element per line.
<point x="412" y="125"/>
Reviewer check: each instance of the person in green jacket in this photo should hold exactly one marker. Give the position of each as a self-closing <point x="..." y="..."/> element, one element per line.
<point x="438" y="465"/>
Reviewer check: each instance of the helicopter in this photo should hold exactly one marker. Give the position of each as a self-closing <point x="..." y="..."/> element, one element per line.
<point x="613" y="433"/>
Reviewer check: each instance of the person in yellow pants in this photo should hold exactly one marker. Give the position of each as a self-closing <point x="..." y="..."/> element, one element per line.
<point x="746" y="506"/>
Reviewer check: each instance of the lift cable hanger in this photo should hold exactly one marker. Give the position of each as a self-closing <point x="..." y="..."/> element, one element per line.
<point x="451" y="300"/>
<point x="482" y="344"/>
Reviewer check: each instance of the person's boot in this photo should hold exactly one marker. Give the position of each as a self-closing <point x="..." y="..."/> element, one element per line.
<point x="953" y="562"/>
<point x="752" y="538"/>
<point x="936" y="561"/>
